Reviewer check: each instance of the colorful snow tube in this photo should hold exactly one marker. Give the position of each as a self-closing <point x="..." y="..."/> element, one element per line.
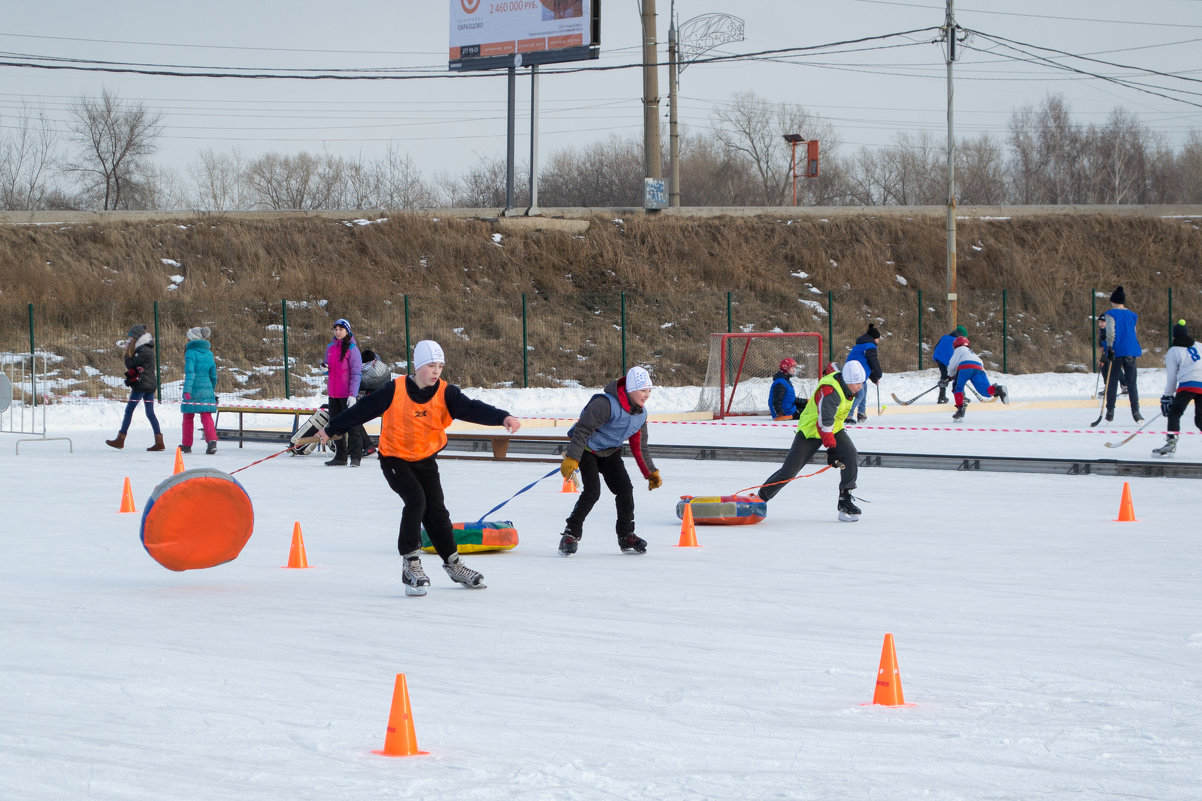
<point x="197" y="519"/>
<point x="724" y="510"/>
<point x="482" y="535"/>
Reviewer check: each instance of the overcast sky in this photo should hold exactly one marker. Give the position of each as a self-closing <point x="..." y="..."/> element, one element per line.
<point x="447" y="121"/>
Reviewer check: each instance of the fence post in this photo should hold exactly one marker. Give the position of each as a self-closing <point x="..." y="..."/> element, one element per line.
<point x="920" y="329"/>
<point x="408" y="347"/>
<point x="1170" y="317"/>
<point x="623" y="333"/>
<point x="33" y="361"/>
<point x="525" y="351"/>
<point x="158" y="371"/>
<point x="1093" y="327"/>
<point x="729" y="316"/>
<point x="287" y="367"/>
<point x="1004" y="343"/>
<point x="830" y="329"/>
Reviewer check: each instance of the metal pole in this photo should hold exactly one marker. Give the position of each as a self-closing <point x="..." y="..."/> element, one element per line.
<point x="1170" y="317"/>
<point x="408" y="347"/>
<point x="525" y="348"/>
<point x="673" y="115"/>
<point x="623" y="333"/>
<point x="33" y="363"/>
<point x="1093" y="333"/>
<point x="830" y="329"/>
<point x="950" y="29"/>
<point x="510" y="138"/>
<point x="158" y="371"/>
<point x="920" y="329"/>
<point x="730" y="320"/>
<point x="1004" y="343"/>
<point x="793" y="169"/>
<point x="533" y="210"/>
<point x="287" y="367"/>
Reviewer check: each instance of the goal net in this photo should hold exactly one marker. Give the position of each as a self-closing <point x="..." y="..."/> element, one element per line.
<point x="741" y="366"/>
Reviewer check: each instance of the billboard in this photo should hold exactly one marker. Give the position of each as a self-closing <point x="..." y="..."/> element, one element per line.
<point x="493" y="34"/>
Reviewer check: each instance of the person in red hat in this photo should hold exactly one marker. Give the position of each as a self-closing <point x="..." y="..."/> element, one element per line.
<point x="782" y="398"/>
<point x="966" y="366"/>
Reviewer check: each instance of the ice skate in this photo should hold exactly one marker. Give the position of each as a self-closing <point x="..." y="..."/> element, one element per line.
<point x="1001" y="392"/>
<point x="568" y="543"/>
<point x="959" y="415"/>
<point x="1110" y="415"/>
<point x="1167" y="449"/>
<point x="1136" y="416"/>
<point x="848" y="511"/>
<point x="630" y="543"/>
<point x="413" y="576"/>
<point x="210" y="449"/>
<point x="462" y="574"/>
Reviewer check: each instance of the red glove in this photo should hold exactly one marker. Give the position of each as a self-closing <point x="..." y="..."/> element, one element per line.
<point x="828" y="439"/>
<point x="187" y="396"/>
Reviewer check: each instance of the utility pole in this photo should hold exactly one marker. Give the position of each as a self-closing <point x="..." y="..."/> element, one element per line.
<point x="652" y="158"/>
<point x="950" y="30"/>
<point x="673" y="101"/>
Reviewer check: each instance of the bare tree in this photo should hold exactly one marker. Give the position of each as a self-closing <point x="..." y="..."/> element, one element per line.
<point x="753" y="128"/>
<point x="25" y="160"/>
<point x="980" y="172"/>
<point x="113" y="138"/>
<point x="399" y="183"/>
<point x="218" y="181"/>
<point x="302" y="182"/>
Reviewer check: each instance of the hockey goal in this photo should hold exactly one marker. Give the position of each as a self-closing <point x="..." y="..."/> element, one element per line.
<point x="741" y="366"/>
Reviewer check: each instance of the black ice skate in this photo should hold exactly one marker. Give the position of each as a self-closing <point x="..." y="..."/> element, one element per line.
<point x="412" y="576"/>
<point x="462" y="574"/>
<point x="1136" y="416"/>
<point x="1168" y="448"/>
<point x="960" y="410"/>
<point x="568" y="543"/>
<point x="848" y="511"/>
<point x="1001" y="392"/>
<point x="629" y="543"/>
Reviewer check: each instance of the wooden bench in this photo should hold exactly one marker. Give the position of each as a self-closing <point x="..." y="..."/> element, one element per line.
<point x="242" y="411"/>
<point x="497" y="445"/>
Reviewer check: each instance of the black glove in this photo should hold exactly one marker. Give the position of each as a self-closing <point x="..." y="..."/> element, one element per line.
<point x="1166" y="401"/>
<point x="943" y="382"/>
<point x="832" y="458"/>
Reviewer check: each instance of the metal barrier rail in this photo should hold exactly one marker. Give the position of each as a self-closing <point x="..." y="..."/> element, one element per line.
<point x="21" y="379"/>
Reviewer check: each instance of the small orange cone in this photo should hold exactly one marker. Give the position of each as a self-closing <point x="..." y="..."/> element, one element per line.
<point x="179" y="461"/>
<point x="888" y="677"/>
<point x="296" y="556"/>
<point x="127" y="498"/>
<point x="1126" y="509"/>
<point x="401" y="739"/>
<point x="569" y="485"/>
<point x="688" y="532"/>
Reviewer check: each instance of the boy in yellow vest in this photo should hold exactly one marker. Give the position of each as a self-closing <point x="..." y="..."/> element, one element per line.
<point x="415" y="412"/>
<point x="821" y="424"/>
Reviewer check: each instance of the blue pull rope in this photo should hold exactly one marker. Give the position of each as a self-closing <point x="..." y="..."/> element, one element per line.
<point x="514" y="495"/>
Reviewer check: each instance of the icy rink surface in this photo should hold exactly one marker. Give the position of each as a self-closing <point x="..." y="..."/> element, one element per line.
<point x="1048" y="651"/>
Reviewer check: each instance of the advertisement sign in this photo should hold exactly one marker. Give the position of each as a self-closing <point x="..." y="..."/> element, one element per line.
<point x="493" y="34"/>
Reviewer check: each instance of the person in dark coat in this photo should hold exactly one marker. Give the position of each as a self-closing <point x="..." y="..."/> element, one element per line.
<point x="1123" y="343"/>
<point x="865" y="352"/>
<point x="142" y="382"/>
<point x="783" y="402"/>
<point x="942" y="355"/>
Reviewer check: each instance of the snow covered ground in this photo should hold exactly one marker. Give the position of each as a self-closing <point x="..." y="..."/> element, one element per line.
<point x="1047" y="650"/>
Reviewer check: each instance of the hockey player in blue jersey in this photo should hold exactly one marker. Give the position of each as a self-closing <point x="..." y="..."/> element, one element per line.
<point x="1183" y="383"/>
<point x="966" y="366"/>
<point x="865" y="352"/>
<point x="783" y="402"/>
<point x="1124" y="347"/>
<point x="942" y="355"/>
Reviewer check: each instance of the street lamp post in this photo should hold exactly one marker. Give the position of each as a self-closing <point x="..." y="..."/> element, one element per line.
<point x="794" y="140"/>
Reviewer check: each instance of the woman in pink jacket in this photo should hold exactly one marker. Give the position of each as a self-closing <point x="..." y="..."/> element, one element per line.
<point x="344" y="364"/>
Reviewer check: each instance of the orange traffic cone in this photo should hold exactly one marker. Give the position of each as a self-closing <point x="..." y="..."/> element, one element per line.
<point x="569" y="485"/>
<point x="179" y="461"/>
<point x="688" y="532"/>
<point x="888" y="677"/>
<point x="401" y="739"/>
<point x="1126" y="509"/>
<point x="296" y="556"/>
<point x="127" y="498"/>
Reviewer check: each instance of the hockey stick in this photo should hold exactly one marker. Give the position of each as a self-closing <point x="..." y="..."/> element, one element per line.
<point x="1105" y="392"/>
<point x="1131" y="436"/>
<point x="878" y="400"/>
<point x="981" y="397"/>
<point x="916" y="397"/>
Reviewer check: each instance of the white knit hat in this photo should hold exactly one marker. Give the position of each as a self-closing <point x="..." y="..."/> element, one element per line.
<point x="199" y="332"/>
<point x="638" y="378"/>
<point x="427" y="351"/>
<point x="853" y="373"/>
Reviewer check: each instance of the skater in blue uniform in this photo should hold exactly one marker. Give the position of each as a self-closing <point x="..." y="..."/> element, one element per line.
<point x="865" y="352"/>
<point x="943" y="354"/>
<point x="782" y="398"/>
<point x="965" y="366"/>
<point x="1183" y="383"/>
<point x="1124" y="347"/>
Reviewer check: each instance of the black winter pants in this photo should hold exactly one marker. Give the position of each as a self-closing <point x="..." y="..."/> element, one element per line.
<point x="420" y="489"/>
<point x="592" y="467"/>
<point x="357" y="435"/>
<point x="1180" y="404"/>
<point x="800" y="453"/>
<point x="1122" y="366"/>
